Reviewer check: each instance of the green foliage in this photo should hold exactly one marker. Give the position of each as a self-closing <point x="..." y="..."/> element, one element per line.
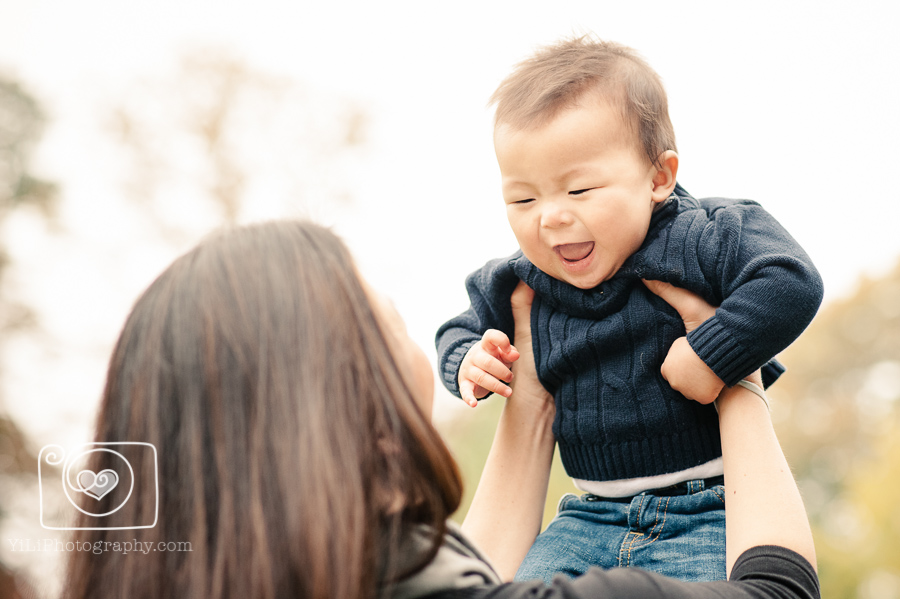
<point x="859" y="555"/>
<point x="838" y="418"/>
<point x="469" y="437"/>
<point x="21" y="124"/>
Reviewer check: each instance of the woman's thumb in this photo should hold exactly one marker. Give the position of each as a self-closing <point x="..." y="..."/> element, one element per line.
<point x="522" y="298"/>
<point x="692" y="308"/>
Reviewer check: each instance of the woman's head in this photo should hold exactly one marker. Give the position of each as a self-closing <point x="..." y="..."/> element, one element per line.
<point x="292" y="453"/>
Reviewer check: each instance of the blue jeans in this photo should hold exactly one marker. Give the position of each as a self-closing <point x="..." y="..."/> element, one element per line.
<point x="678" y="531"/>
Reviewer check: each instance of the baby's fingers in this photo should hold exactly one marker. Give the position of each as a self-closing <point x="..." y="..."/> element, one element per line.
<point x="490" y="365"/>
<point x="495" y="342"/>
<point x="491" y="383"/>
<point x="467" y="392"/>
<point x="487" y="380"/>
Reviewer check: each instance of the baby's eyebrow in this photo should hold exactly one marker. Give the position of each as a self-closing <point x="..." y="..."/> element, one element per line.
<point x="576" y="171"/>
<point x="515" y="183"/>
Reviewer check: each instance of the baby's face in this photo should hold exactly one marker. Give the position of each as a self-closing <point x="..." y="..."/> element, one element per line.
<point x="578" y="192"/>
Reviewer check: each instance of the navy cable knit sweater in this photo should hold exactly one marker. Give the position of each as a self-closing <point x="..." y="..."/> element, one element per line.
<point x="599" y="351"/>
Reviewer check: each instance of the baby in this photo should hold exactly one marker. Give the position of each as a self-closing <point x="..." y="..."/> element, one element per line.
<point x="588" y="164"/>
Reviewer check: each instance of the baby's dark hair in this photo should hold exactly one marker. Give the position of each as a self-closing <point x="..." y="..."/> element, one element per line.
<point x="558" y="76"/>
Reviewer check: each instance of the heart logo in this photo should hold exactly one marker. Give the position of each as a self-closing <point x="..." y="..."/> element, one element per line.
<point x="97" y="485"/>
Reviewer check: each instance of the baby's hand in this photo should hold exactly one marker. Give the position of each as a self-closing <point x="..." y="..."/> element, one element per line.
<point x="689" y="375"/>
<point x="487" y="364"/>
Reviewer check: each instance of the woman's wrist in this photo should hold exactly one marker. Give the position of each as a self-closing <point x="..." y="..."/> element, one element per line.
<point x="531" y="409"/>
<point x="756" y="390"/>
<point x="740" y="395"/>
<point x="529" y="394"/>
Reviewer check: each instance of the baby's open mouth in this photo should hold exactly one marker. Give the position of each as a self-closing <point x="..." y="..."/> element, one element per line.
<point x="574" y="252"/>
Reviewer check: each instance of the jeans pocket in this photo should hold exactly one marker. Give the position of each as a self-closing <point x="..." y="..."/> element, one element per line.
<point x="719" y="492"/>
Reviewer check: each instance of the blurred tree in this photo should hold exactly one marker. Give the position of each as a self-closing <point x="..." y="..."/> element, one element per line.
<point x="221" y="141"/>
<point x="21" y="124"/>
<point x="838" y="416"/>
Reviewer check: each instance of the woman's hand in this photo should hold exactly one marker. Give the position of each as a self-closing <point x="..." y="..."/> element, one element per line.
<point x="682" y="368"/>
<point x="525" y="384"/>
<point x="694" y="310"/>
<point x="508" y="507"/>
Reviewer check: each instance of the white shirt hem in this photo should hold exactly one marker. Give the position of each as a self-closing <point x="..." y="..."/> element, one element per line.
<point x="632" y="486"/>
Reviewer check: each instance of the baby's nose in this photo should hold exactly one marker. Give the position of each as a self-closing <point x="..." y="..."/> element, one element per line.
<point x="555" y="215"/>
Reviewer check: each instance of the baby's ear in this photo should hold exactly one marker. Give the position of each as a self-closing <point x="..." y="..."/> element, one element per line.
<point x="664" y="177"/>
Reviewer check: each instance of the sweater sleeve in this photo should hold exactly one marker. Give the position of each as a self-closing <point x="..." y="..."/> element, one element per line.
<point x="769" y="288"/>
<point x="490" y="289"/>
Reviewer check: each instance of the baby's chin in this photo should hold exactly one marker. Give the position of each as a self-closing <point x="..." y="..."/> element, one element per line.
<point x="584" y="285"/>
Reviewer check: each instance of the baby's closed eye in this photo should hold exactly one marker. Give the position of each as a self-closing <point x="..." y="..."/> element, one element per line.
<point x="580" y="191"/>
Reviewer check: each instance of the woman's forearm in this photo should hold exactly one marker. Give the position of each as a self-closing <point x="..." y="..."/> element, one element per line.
<point x="763" y="505"/>
<point x="508" y="507"/>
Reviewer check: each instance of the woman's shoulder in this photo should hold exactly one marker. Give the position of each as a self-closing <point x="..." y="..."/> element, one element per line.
<point x="458" y="566"/>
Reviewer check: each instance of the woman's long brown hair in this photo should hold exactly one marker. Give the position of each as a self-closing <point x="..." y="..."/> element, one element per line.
<point x="292" y="454"/>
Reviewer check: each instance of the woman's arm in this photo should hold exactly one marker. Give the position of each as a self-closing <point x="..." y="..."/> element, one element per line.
<point x="508" y="507"/>
<point x="762" y="504"/>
